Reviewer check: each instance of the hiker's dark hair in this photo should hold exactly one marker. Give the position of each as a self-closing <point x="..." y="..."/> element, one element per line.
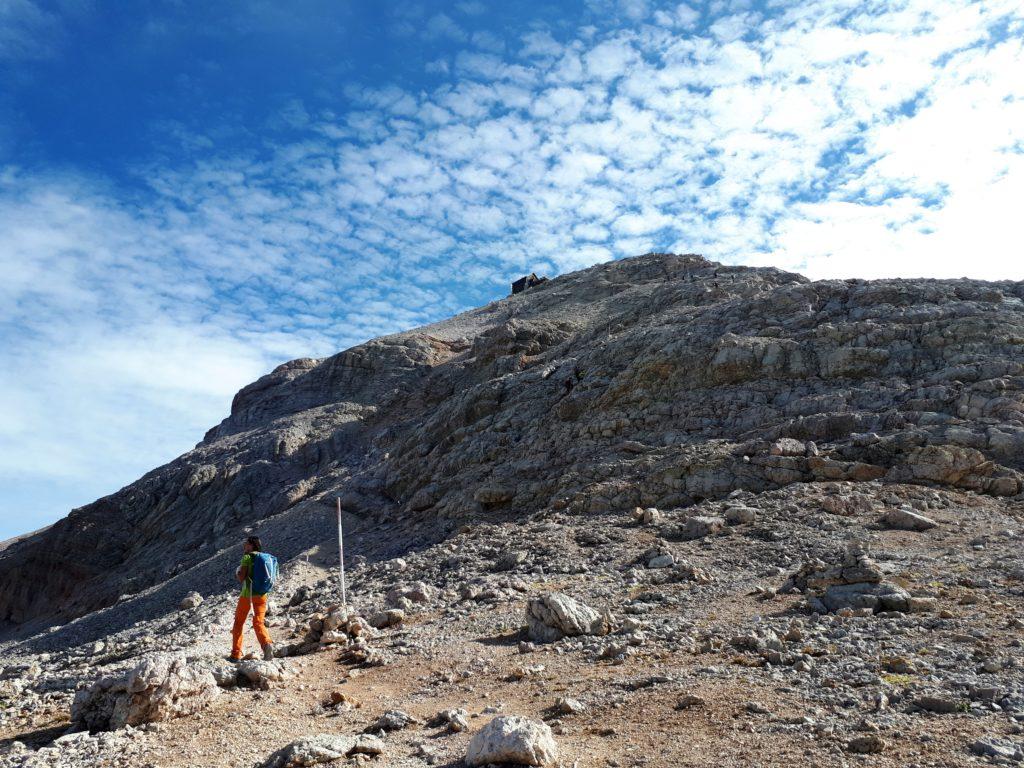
<point x="254" y="542"/>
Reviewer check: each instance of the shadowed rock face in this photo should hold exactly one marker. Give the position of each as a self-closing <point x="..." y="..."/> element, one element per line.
<point x="654" y="381"/>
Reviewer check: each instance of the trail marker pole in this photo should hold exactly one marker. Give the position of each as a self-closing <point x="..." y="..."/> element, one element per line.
<point x="341" y="556"/>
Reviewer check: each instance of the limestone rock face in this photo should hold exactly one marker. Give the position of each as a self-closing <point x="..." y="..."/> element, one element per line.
<point x="654" y="382"/>
<point x="160" y="688"/>
<point x="555" y="616"/>
<point x="514" y="741"/>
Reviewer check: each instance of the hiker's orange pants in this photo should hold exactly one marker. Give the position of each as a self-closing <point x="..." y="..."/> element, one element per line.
<point x="258" y="603"/>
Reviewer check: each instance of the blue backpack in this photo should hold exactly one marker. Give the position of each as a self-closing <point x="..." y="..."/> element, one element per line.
<point x="264" y="572"/>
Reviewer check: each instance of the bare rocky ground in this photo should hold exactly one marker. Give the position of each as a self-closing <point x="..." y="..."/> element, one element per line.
<point x="699" y="516"/>
<point x="694" y="670"/>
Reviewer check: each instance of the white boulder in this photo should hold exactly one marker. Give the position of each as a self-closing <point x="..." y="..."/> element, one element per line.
<point x="907" y="520"/>
<point x="554" y="616"/>
<point x="513" y="740"/>
<point x="160" y="688"/>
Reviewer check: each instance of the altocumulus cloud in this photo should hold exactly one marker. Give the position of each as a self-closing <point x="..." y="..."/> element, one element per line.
<point x="836" y="138"/>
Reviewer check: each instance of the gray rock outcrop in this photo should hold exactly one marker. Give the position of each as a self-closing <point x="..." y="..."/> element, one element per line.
<point x="856" y="583"/>
<point x="323" y="748"/>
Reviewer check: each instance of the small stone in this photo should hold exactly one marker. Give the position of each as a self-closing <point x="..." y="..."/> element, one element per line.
<point x="998" y="748"/>
<point x="661" y="561"/>
<point x="343" y="700"/>
<point x="554" y="616"/>
<point x="329" y="637"/>
<point x="510" y="560"/>
<point x="689" y="700"/>
<point x="699" y="526"/>
<point x="869" y="744"/>
<point x="191" y="600"/>
<point x="393" y="720"/>
<point x="649" y="516"/>
<point x="261" y="673"/>
<point x="335" y="618"/>
<point x="389" y="618"/>
<point x="567" y="706"/>
<point x="907" y="520"/>
<point x="740" y="515"/>
<point x="940" y="704"/>
<point x="456" y="720"/>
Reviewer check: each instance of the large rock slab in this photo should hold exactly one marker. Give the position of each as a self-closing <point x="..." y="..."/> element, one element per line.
<point x="855" y="583"/>
<point x="556" y="615"/>
<point x="511" y="740"/>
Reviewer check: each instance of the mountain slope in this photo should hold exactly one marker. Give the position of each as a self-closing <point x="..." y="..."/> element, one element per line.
<point x="661" y="380"/>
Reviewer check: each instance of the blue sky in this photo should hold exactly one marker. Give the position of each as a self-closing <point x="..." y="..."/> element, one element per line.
<point x="192" y="193"/>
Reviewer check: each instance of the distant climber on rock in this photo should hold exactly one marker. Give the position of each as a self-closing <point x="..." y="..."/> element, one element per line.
<point x="257" y="574"/>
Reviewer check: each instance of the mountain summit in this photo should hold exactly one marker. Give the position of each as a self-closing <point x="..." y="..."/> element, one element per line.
<point x="657" y="380"/>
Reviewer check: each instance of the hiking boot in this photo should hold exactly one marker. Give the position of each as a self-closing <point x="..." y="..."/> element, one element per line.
<point x="268" y="652"/>
<point x="234" y="659"/>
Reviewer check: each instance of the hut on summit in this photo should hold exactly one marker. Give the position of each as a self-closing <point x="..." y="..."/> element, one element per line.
<point x="527" y="281"/>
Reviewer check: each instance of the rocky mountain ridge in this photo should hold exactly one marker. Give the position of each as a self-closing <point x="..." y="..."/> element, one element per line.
<point x="659" y="380"/>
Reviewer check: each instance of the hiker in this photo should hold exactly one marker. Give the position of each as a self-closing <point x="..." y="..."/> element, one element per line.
<point x="257" y="574"/>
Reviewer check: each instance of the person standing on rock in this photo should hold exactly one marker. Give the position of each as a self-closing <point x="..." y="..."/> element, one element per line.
<point x="257" y="573"/>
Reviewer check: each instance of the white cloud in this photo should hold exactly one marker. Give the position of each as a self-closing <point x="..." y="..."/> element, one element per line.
<point x="539" y="44"/>
<point x="437" y="67"/>
<point x="585" y="232"/>
<point x="610" y="59"/>
<point x="686" y="16"/>
<point x="488" y="41"/>
<point x="631" y="10"/>
<point x="472" y="7"/>
<point x="642" y="223"/>
<point x="441" y="25"/>
<point x="559" y="105"/>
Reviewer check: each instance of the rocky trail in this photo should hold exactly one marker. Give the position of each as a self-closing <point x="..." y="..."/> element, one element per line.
<point x="660" y="512"/>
